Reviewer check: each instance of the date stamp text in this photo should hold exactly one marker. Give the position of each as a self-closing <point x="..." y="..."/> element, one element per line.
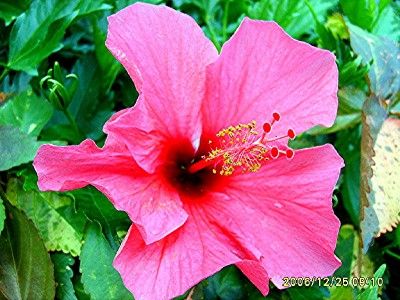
<point x="332" y="281"/>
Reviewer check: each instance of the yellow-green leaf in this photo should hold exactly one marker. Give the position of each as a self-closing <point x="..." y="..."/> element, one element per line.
<point x="60" y="226"/>
<point x="380" y="172"/>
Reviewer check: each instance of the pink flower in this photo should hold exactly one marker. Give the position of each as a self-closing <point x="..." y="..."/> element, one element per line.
<point x="201" y="194"/>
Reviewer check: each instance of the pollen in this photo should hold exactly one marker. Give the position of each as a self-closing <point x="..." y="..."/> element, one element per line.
<point x="241" y="148"/>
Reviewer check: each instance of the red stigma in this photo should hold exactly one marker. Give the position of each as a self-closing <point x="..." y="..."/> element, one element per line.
<point x="276" y="116"/>
<point x="289" y="153"/>
<point x="291" y="134"/>
<point x="267" y="127"/>
<point x="274" y="152"/>
<point x="243" y="148"/>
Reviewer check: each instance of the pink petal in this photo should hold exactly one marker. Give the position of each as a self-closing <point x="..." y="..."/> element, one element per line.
<point x="155" y="210"/>
<point x="137" y="129"/>
<point x="287" y="208"/>
<point x="263" y="70"/>
<point x="171" y="266"/>
<point x="165" y="52"/>
<point x="256" y="273"/>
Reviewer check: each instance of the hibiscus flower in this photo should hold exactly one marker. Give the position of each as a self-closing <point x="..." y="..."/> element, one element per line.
<point x="201" y="163"/>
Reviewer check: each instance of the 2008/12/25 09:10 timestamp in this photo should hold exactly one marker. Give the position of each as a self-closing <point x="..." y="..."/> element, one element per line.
<point x="332" y="281"/>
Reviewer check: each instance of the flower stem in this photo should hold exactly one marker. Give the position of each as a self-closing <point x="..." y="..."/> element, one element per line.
<point x="391" y="253"/>
<point x="78" y="134"/>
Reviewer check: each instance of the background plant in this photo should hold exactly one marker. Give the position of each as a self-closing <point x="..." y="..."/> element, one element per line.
<point x="59" y="84"/>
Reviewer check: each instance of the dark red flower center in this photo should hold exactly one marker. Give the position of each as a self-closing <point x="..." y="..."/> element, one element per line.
<point x="179" y="156"/>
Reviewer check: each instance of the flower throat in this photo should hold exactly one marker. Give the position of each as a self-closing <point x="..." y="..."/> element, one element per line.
<point x="241" y="148"/>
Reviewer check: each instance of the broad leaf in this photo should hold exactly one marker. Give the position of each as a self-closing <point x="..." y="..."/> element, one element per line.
<point x="10" y="9"/>
<point x="388" y="23"/>
<point x="16" y="147"/>
<point x="346" y="250"/>
<point x="384" y="54"/>
<point x="98" y="208"/>
<point x="60" y="226"/>
<point x="348" y="145"/>
<point x="226" y="284"/>
<point x="26" y="111"/>
<point x="293" y="15"/>
<point x="38" y="32"/>
<point x="362" y="13"/>
<point x="86" y="7"/>
<point x="341" y="122"/>
<point x="351" y="100"/>
<point x="380" y="170"/>
<point x="109" y="66"/>
<point x="100" y="279"/>
<point x="63" y="275"/>
<point x="90" y="110"/>
<point x="26" y="271"/>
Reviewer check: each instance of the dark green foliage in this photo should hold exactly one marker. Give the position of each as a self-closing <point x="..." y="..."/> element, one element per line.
<point x="99" y="278"/>
<point x="63" y="275"/>
<point x="59" y="84"/>
<point x="26" y="271"/>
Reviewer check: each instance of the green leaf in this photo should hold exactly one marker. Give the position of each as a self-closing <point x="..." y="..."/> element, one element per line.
<point x="26" y="111"/>
<point x="226" y="284"/>
<point x="362" y="13"/>
<point x="341" y="122"/>
<point x="63" y="275"/>
<point x="120" y="4"/>
<point x="385" y="57"/>
<point x="353" y="72"/>
<point x="26" y="271"/>
<point x="38" y="32"/>
<point x="388" y="23"/>
<point x="98" y="208"/>
<point x="371" y="292"/>
<point x="348" y="145"/>
<point x="89" y="109"/>
<point x="313" y="292"/>
<point x="79" y="289"/>
<point x="60" y="226"/>
<point x="346" y="249"/>
<point x="2" y="215"/>
<point x="87" y="7"/>
<point x="16" y="147"/>
<point x="351" y="100"/>
<point x="380" y="161"/>
<point x="109" y="66"/>
<point x="293" y="15"/>
<point x="10" y="9"/>
<point x="99" y="277"/>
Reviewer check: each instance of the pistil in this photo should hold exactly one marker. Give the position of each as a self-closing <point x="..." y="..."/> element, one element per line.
<point x="242" y="148"/>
